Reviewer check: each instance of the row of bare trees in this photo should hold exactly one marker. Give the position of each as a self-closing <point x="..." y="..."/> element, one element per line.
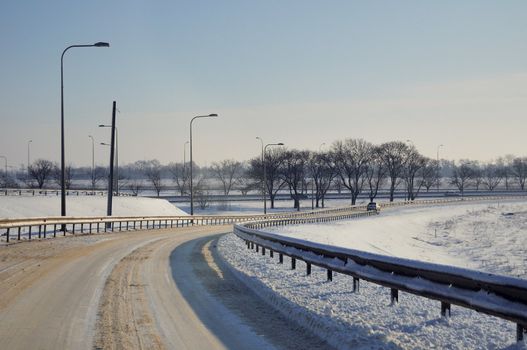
<point x="353" y="165"/>
<point x="356" y="164"/>
<point x="489" y="176"/>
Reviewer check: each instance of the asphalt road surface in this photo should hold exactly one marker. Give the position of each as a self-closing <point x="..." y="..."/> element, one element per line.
<point x="162" y="289"/>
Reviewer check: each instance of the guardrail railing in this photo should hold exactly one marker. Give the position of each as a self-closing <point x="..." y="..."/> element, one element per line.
<point x="44" y="227"/>
<point x="500" y="296"/>
<point x="29" y="228"/>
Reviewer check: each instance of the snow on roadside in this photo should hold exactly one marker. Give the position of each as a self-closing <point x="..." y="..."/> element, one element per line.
<point x="363" y="320"/>
<point x="17" y="207"/>
<point x="486" y="236"/>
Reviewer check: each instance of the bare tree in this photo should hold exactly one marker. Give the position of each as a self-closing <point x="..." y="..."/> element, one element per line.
<point x="519" y="171"/>
<point x="227" y="172"/>
<point x="375" y="174"/>
<point x="430" y="174"/>
<point x="415" y="162"/>
<point x="181" y="176"/>
<point x="40" y="171"/>
<point x="274" y="158"/>
<point x="394" y="157"/>
<point x="322" y="172"/>
<point x="492" y="176"/>
<point x="99" y="173"/>
<point x="477" y="174"/>
<point x="202" y="193"/>
<point x="294" y="172"/>
<point x="351" y="158"/>
<point x="68" y="175"/>
<point x="505" y="168"/>
<point x="462" y="175"/>
<point x="152" y="170"/>
<point x="135" y="186"/>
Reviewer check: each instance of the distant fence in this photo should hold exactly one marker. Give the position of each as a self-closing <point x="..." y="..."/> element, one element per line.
<point x="500" y="296"/>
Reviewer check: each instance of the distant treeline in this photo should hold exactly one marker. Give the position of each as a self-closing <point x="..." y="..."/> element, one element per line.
<point x="352" y="165"/>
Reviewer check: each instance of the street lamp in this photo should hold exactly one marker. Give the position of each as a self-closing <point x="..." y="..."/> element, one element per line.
<point x="116" y="156"/>
<point x="262" y="159"/>
<point x="92" y="162"/>
<point x="185" y="153"/>
<point x="28" y="154"/>
<point x="62" y="153"/>
<point x="213" y="115"/>
<point x="438" y="177"/>
<point x="265" y="173"/>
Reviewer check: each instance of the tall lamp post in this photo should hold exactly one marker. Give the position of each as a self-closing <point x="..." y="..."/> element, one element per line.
<point x="116" y="156"/>
<point x="213" y="115"/>
<point x="62" y="155"/>
<point x="438" y="177"/>
<point x="28" y="156"/>
<point x="265" y="171"/>
<point x="185" y="165"/>
<point x="92" y="162"/>
<point x="262" y="159"/>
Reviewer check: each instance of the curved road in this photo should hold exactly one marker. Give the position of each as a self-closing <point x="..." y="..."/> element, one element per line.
<point x="136" y="290"/>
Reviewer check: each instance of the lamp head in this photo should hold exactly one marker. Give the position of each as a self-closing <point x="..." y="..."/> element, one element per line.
<point x="101" y="44"/>
<point x="213" y="115"/>
<point x="280" y="144"/>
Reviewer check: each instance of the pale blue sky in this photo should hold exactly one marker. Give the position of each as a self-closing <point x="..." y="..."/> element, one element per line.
<point x="301" y="72"/>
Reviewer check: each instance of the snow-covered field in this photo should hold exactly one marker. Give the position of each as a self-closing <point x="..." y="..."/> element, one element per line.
<point x="480" y="236"/>
<point x="488" y="236"/>
<point x="17" y="207"/>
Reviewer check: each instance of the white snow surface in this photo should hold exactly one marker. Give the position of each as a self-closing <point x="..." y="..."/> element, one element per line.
<point x="38" y="206"/>
<point x="468" y="235"/>
<point x="485" y="236"/>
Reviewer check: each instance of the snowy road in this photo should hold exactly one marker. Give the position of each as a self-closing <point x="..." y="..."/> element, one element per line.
<point x="125" y="291"/>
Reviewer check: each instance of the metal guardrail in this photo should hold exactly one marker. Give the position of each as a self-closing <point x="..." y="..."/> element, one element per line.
<point x="43" y="227"/>
<point x="500" y="296"/>
<point x="22" y="228"/>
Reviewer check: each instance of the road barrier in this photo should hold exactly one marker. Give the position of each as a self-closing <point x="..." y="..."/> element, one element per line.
<point x="500" y="296"/>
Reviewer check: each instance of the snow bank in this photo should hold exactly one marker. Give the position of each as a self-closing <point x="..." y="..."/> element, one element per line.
<point x="363" y="320"/>
<point x="16" y="207"/>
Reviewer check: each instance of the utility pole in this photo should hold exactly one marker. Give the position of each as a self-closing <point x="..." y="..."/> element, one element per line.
<point x="112" y="153"/>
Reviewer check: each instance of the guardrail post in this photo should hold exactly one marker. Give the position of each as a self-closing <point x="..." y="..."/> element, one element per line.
<point x="19" y="229"/>
<point x="281" y="258"/>
<point x="82" y="227"/>
<point x="263" y="250"/>
<point x="90" y="227"/>
<point x="355" y="285"/>
<point x="30" y="232"/>
<point x="520" y="329"/>
<point x="45" y="227"/>
<point x="55" y="230"/>
<point x="257" y="248"/>
<point x="120" y="225"/>
<point x="293" y="263"/>
<point x="73" y="229"/>
<point x="7" y="235"/>
<point x="330" y="275"/>
<point x="271" y="253"/>
<point x="444" y="308"/>
<point x="394" y="295"/>
<point x="97" y="227"/>
<point x="308" y="269"/>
